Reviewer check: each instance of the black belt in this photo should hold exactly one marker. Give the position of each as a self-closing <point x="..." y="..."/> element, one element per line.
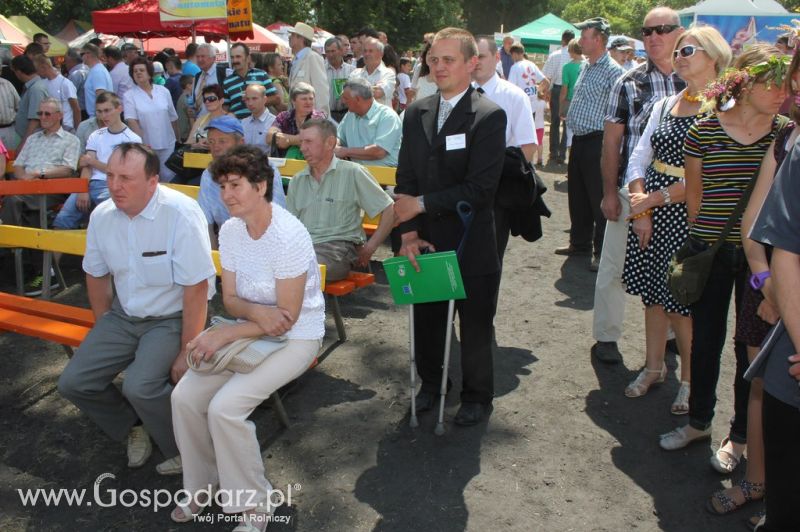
<point x="588" y="136"/>
<point x="2" y="126"/>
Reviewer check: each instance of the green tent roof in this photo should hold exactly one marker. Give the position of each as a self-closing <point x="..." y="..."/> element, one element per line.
<point x="537" y="36"/>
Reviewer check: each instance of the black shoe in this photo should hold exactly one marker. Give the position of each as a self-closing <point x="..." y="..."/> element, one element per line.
<point x="671" y="347"/>
<point x="424" y="401"/>
<point x="572" y="251"/>
<point x="471" y="413"/>
<point x="607" y="352"/>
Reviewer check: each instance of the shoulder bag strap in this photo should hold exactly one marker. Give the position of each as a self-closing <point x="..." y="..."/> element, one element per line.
<point x="741" y="205"/>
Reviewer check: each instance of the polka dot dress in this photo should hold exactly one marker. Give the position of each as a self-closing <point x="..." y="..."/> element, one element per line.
<point x="645" y="272"/>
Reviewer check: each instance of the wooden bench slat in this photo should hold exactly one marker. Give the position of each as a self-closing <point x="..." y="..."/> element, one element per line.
<point x="72" y="242"/>
<point x="65" y="185"/>
<point x="46" y="329"/>
<point x="47" y="309"/>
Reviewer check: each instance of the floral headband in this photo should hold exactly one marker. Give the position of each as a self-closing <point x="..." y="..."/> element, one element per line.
<point x="792" y="29"/>
<point x="720" y="91"/>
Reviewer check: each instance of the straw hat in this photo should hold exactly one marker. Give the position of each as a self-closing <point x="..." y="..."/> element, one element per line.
<point x="303" y="30"/>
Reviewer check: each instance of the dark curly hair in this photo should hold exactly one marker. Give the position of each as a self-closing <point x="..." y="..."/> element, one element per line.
<point x="247" y="161"/>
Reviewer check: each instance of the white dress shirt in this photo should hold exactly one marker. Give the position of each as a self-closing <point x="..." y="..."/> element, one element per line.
<point x="382" y="77"/>
<point x="153" y="255"/>
<point x="520" y="129"/>
<point x="155" y="115"/>
<point x="121" y="78"/>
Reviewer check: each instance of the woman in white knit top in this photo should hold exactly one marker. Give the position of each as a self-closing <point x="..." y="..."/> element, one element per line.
<point x="271" y="283"/>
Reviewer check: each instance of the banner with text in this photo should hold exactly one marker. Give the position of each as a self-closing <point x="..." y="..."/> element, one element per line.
<point x="185" y="10"/>
<point x="240" y="19"/>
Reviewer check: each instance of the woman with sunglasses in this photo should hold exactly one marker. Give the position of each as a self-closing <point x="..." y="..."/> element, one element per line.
<point x="213" y="102"/>
<point x="658" y="212"/>
<point x="723" y="152"/>
<point x="759" y="313"/>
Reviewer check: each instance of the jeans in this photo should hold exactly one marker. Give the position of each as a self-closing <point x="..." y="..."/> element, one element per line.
<point x="70" y="217"/>
<point x="709" y="329"/>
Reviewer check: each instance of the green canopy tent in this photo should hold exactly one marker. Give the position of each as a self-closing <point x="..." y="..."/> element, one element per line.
<point x="537" y="36"/>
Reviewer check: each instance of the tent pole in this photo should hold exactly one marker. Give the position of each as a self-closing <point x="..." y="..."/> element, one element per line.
<point x="194" y="32"/>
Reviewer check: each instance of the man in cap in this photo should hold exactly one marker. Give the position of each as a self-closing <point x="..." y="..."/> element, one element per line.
<point x="618" y="50"/>
<point x="585" y="118"/>
<point x="224" y="133"/>
<point x="308" y="66"/>
<point x="629" y="106"/>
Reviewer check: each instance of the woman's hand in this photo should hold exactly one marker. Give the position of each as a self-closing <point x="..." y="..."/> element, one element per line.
<point x="282" y="141"/>
<point x="767" y="312"/>
<point x="639" y="202"/>
<point x="643" y="228"/>
<point x="207" y="343"/>
<point x="274" y="321"/>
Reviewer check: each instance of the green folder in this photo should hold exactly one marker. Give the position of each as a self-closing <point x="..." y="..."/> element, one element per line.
<point x="438" y="279"/>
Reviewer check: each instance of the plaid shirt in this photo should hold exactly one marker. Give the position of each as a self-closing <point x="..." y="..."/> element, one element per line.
<point x="587" y="110"/>
<point x="631" y="102"/>
<point x="45" y="151"/>
<point x="554" y="64"/>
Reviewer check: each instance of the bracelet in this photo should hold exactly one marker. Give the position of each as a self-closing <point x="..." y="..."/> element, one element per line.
<point x="665" y="193"/>
<point x="648" y="212"/>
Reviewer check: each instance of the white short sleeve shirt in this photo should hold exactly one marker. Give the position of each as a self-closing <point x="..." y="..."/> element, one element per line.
<point x="520" y="129"/>
<point x="103" y="142"/>
<point x="155" y="115"/>
<point x="153" y="255"/>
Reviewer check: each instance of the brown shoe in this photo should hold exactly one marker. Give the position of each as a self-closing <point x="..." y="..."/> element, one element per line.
<point x="572" y="251"/>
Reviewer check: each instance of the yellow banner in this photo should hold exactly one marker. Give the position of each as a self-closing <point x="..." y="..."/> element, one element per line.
<point x="240" y="18"/>
<point x="178" y="10"/>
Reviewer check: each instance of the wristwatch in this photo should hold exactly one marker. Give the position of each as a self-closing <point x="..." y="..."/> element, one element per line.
<point x="757" y="280"/>
<point x="421" y="202"/>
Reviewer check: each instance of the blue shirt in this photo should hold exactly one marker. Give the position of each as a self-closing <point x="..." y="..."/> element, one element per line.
<point x="214" y="208"/>
<point x="380" y="126"/>
<point x="189" y="68"/>
<point x="98" y="78"/>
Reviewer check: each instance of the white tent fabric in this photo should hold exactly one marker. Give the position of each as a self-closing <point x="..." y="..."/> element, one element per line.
<point x="735" y="7"/>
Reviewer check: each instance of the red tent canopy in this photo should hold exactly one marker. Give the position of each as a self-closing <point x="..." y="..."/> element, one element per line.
<point x="141" y="19"/>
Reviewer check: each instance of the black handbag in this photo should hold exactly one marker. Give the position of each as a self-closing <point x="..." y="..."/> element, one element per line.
<point x="688" y="270"/>
<point x="175" y="163"/>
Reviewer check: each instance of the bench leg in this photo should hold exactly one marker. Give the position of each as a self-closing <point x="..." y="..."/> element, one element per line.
<point x="337" y="317"/>
<point x="277" y="408"/>
<point x="18" y="271"/>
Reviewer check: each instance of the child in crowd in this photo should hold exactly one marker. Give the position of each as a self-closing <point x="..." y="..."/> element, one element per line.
<point x="185" y="119"/>
<point x="539" y="106"/>
<point x="403" y="82"/>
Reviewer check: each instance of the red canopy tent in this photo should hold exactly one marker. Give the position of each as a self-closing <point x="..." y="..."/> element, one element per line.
<point x="141" y="19"/>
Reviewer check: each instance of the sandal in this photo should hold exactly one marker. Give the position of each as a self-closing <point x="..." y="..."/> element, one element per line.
<point x="725" y="459"/>
<point x="186" y="511"/>
<point x="638" y="387"/>
<point x="751" y="491"/>
<point x="680" y="405"/>
<point x="757" y="519"/>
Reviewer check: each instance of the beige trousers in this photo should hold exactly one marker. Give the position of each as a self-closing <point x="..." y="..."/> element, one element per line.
<point x="217" y="443"/>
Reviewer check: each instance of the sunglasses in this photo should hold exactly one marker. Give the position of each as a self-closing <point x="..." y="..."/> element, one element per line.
<point x="687" y="51"/>
<point x="44" y="113"/>
<point x="211" y="98"/>
<point x="661" y="29"/>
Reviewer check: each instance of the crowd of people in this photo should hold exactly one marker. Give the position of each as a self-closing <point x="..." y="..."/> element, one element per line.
<point x="684" y="150"/>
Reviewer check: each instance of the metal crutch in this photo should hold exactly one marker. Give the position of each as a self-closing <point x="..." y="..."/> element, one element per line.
<point x="466" y="214"/>
<point x="413" y="423"/>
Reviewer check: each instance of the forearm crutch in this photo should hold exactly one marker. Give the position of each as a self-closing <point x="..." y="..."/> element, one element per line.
<point x="451" y="306"/>
<point x="413" y="423"/>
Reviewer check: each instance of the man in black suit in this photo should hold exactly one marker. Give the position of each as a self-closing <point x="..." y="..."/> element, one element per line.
<point x="453" y="148"/>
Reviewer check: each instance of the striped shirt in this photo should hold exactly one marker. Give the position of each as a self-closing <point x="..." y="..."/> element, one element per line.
<point x="728" y="168"/>
<point x="587" y="110"/>
<point x="234" y="86"/>
<point x="632" y="99"/>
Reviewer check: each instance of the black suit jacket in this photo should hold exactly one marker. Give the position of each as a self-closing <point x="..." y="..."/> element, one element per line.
<point x="445" y="177"/>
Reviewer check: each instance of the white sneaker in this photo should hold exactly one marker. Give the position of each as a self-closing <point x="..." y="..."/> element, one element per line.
<point x="172" y="466"/>
<point x="139" y="446"/>
<point x="681" y="437"/>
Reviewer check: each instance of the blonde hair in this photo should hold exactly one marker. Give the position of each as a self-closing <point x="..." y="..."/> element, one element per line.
<point x="714" y="44"/>
<point x="575" y="47"/>
<point x="468" y="46"/>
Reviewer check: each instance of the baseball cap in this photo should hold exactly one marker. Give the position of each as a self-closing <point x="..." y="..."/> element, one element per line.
<point x="598" y="23"/>
<point x="226" y="124"/>
<point x="620" y="43"/>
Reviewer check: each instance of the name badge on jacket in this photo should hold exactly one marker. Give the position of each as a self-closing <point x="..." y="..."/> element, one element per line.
<point x="455" y="142"/>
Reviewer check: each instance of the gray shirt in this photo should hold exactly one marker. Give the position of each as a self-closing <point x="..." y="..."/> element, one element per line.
<point x="35" y="92"/>
<point x="777" y="226"/>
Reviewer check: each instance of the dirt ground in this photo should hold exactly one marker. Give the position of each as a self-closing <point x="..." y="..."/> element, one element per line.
<point x="563" y="450"/>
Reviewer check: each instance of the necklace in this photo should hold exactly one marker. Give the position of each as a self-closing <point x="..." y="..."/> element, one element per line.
<point x="689" y="98"/>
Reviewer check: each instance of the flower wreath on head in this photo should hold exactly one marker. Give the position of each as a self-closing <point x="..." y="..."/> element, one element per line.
<point x="792" y="29"/>
<point x="720" y="91"/>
